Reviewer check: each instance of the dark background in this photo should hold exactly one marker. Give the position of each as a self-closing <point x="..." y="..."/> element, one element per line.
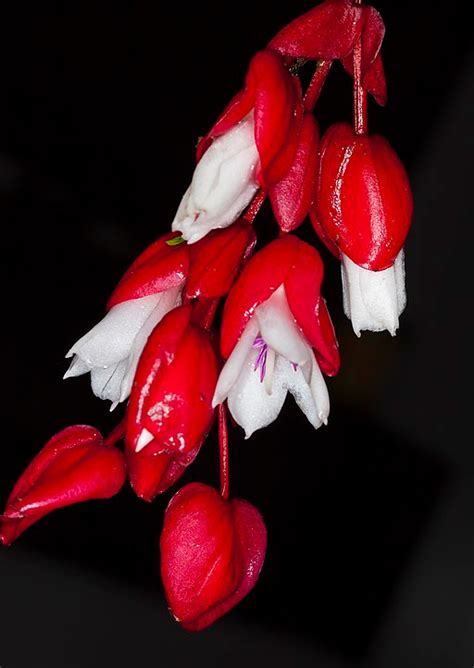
<point x="370" y="558"/>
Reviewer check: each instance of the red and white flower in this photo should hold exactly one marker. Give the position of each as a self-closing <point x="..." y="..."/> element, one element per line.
<point x="252" y="145"/>
<point x="150" y="288"/>
<point x="363" y="213"/>
<point x="277" y="337"/>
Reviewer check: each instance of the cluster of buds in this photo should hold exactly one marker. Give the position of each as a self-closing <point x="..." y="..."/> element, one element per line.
<point x="156" y="350"/>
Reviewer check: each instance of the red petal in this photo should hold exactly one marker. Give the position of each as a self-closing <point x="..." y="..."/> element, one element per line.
<point x="171" y="398"/>
<point x="158" y="268"/>
<point x="264" y="273"/>
<point x="364" y="198"/>
<point x="73" y="466"/>
<point x="216" y="259"/>
<point x="212" y="552"/>
<point x="275" y="97"/>
<point x="327" y="31"/>
<point x="292" y="197"/>
<point x="303" y="292"/>
<point x="321" y="232"/>
<point x="151" y="473"/>
<point x="375" y="83"/>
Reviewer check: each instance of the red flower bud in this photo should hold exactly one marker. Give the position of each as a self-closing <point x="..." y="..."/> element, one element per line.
<point x="212" y="552"/>
<point x="274" y="95"/>
<point x="292" y="197"/>
<point x="170" y="411"/>
<point x="364" y="203"/>
<point x="160" y="267"/>
<point x="216" y="260"/>
<point x="73" y="466"/>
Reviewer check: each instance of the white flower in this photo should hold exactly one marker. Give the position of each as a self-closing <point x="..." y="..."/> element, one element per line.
<point x="111" y="349"/>
<point x="223" y="183"/>
<point x="374" y="300"/>
<point x="271" y="359"/>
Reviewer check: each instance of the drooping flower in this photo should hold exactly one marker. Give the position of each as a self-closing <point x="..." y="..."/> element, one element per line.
<point x="212" y="552"/>
<point x="150" y="288"/>
<point x="251" y="145"/>
<point x="170" y="412"/>
<point x="74" y="466"/>
<point x="363" y="213"/>
<point x="277" y="336"/>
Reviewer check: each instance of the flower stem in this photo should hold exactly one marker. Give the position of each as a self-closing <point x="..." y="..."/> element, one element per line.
<point x="223" y="450"/>
<point x="360" y="95"/>
<point x="316" y="84"/>
<point x="117" y="433"/>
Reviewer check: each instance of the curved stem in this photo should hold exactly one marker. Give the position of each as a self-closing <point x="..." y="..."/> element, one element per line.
<point x="360" y="95"/>
<point x="117" y="433"/>
<point x="223" y="450"/>
<point x="316" y="84"/>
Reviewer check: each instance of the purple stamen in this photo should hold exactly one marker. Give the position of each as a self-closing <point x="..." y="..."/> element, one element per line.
<point x="261" y="361"/>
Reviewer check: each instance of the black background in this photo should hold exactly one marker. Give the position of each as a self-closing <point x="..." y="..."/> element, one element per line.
<point x="370" y="557"/>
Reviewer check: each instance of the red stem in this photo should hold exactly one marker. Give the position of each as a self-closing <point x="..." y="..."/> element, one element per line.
<point x="117" y="433"/>
<point x="223" y="450"/>
<point x="360" y="95"/>
<point x="316" y="84"/>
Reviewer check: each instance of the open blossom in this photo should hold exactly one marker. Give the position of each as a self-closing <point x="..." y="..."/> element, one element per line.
<point x="277" y="336"/>
<point x="363" y="213"/>
<point x="150" y="288"/>
<point x="251" y="145"/>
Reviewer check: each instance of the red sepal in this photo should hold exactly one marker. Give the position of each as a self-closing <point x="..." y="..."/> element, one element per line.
<point x="158" y="268"/>
<point x="364" y="201"/>
<point x="275" y="97"/>
<point x="216" y="260"/>
<point x="171" y="398"/>
<point x="298" y="266"/>
<point x="328" y="31"/>
<point x="74" y="466"/>
<point x="292" y="197"/>
<point x="212" y="552"/>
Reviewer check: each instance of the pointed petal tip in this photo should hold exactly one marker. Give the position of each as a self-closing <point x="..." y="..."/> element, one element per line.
<point x="113" y="406"/>
<point x="144" y="439"/>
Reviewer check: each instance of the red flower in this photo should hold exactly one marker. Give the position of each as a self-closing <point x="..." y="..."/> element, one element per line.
<point x="73" y="466"/>
<point x="212" y="552"/>
<point x="170" y="411"/>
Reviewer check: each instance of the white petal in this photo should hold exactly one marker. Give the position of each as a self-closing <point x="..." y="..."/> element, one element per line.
<point x="249" y="403"/>
<point x="232" y="368"/>
<point x="373" y="300"/>
<point x="76" y="368"/>
<point x="106" y="382"/>
<point x="144" y="439"/>
<point x="279" y="330"/>
<point x="111" y="340"/>
<point x="312" y="398"/>
<point x="169" y="299"/>
<point x="223" y="183"/>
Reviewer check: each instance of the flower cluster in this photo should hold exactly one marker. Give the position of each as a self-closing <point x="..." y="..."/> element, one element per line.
<point x="155" y="350"/>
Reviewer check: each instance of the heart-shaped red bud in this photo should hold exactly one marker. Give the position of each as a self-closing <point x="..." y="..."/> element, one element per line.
<point x="212" y="552"/>
<point x="73" y="466"/>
